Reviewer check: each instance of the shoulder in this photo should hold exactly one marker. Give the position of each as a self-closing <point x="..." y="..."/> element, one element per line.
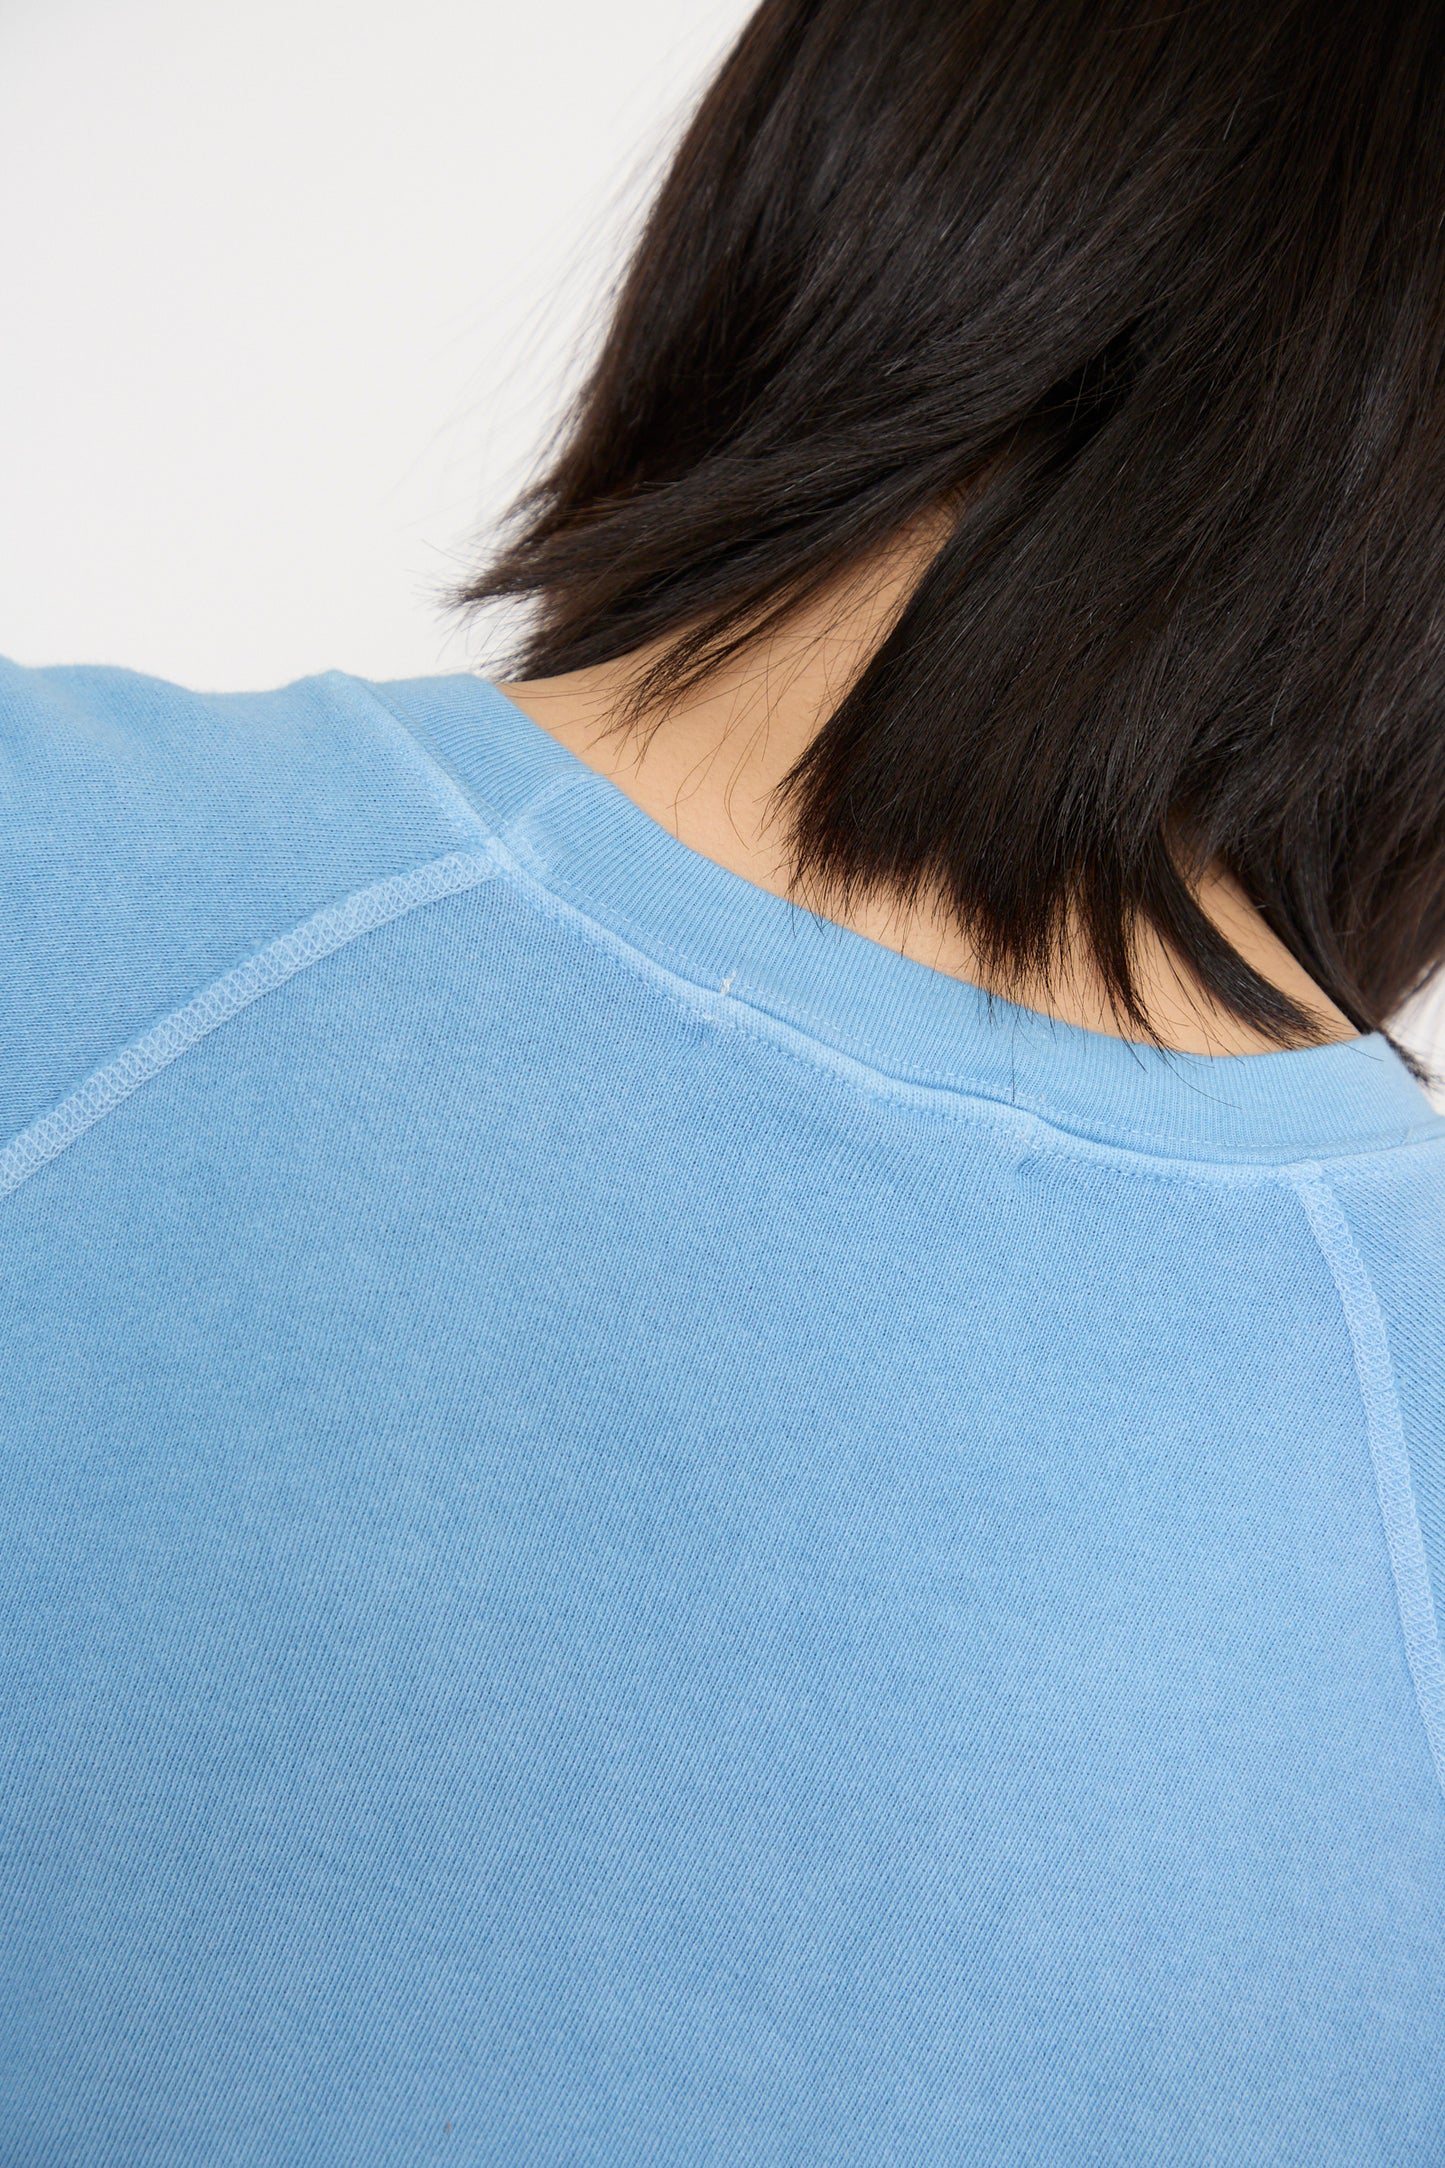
<point x="154" y="837"/>
<point x="112" y="751"/>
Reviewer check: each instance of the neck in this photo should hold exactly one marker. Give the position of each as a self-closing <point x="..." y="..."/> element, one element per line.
<point x="710" y="772"/>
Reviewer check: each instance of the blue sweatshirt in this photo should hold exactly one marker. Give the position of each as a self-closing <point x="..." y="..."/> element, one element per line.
<point x="638" y="1531"/>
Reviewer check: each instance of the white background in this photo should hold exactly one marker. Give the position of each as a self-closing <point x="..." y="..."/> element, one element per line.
<point x="291" y="291"/>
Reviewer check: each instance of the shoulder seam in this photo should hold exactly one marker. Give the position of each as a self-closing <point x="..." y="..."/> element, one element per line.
<point x="320" y="935"/>
<point x="446" y="785"/>
<point x="1389" y="1453"/>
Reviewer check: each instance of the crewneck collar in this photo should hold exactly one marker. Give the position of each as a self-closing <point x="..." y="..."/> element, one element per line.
<point x="584" y="840"/>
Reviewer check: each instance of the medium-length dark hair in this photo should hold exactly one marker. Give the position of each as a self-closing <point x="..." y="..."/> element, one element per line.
<point x="1154" y="292"/>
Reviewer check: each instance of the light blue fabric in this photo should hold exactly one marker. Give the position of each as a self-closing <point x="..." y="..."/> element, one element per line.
<point x="636" y="1531"/>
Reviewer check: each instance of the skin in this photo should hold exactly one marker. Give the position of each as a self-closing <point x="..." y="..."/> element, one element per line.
<point x="707" y="775"/>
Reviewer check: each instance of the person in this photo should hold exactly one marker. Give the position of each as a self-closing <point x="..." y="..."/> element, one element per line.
<point x="722" y="1364"/>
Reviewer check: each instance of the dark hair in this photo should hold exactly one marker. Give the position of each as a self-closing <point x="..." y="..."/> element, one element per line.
<point x="1159" y="287"/>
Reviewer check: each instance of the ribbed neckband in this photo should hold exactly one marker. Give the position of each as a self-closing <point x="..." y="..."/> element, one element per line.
<point x="585" y="841"/>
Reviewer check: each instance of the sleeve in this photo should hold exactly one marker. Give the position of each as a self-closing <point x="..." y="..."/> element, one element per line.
<point x="156" y="837"/>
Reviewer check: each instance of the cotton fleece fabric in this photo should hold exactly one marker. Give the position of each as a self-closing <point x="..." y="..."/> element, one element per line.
<point x="638" y="1531"/>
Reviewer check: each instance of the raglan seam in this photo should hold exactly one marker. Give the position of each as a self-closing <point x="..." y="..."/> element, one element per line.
<point x="1389" y="1450"/>
<point x="327" y="930"/>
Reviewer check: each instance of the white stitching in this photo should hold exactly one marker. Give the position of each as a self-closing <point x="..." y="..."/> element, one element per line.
<point x="322" y="935"/>
<point x="1388" y="1452"/>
